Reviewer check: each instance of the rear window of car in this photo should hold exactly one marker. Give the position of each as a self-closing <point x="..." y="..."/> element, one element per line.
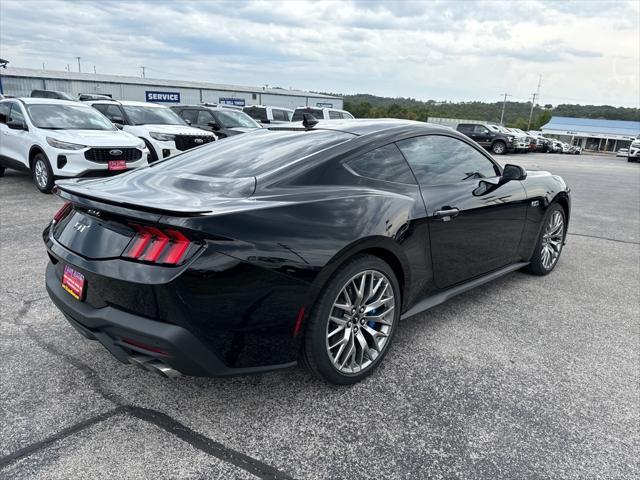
<point x="297" y="115"/>
<point x="257" y="113"/>
<point x="252" y="154"/>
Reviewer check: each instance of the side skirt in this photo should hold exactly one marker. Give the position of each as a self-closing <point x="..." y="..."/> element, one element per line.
<point x="441" y="297"/>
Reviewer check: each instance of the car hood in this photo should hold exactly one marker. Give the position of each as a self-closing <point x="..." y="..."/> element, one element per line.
<point x="176" y="129"/>
<point x="241" y="129"/>
<point x="150" y="189"/>
<point x="95" y="138"/>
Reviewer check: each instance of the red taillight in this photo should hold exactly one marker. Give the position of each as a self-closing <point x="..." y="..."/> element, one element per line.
<point x="151" y="244"/>
<point x="158" y="241"/>
<point x="63" y="212"/>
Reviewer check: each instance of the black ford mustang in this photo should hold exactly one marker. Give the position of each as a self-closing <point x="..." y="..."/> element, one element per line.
<point x="295" y="244"/>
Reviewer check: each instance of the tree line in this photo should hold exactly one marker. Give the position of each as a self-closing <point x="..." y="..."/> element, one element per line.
<point x="516" y="113"/>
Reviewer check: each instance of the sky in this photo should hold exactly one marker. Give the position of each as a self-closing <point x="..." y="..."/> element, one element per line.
<point x="587" y="52"/>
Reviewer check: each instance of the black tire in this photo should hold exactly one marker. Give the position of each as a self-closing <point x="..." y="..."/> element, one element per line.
<point x="42" y="173"/>
<point x="153" y="156"/>
<point x="499" y="147"/>
<point x="536" y="265"/>
<point x="315" y="350"/>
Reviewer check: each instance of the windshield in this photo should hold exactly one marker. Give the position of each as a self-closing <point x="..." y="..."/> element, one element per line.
<point x="67" y="117"/>
<point x="231" y="119"/>
<point x="297" y="115"/>
<point x="143" y="115"/>
<point x="251" y="154"/>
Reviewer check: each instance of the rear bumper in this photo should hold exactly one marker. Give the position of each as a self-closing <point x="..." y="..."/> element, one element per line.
<point x="172" y="345"/>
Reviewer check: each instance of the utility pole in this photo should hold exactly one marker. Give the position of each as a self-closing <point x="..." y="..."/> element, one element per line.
<point x="43" y="66"/>
<point x="79" y="70"/>
<point x="94" y="70"/>
<point x="68" y="69"/>
<point x="143" y="69"/>
<point x="504" y="104"/>
<point x="533" y="101"/>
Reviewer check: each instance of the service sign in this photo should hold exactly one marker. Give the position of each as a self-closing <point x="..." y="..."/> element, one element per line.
<point x="162" y="97"/>
<point x="238" y="102"/>
<point x="324" y="105"/>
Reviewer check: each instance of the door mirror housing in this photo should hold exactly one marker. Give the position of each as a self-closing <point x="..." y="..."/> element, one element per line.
<point x="214" y="126"/>
<point x="119" y="126"/>
<point x="17" y="125"/>
<point x="513" y="172"/>
<point x="118" y="120"/>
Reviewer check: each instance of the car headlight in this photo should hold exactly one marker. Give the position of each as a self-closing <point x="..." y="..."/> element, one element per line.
<point x="141" y="146"/>
<point x="64" y="145"/>
<point x="510" y="138"/>
<point x="163" y="137"/>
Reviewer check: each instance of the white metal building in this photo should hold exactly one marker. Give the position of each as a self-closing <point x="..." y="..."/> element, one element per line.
<point x="19" y="82"/>
<point x="593" y="134"/>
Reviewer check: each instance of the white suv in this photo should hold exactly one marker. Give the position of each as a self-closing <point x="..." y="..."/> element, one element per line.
<point x="634" y="151"/>
<point x="321" y="113"/>
<point x="266" y="114"/>
<point x="164" y="132"/>
<point x="61" y="139"/>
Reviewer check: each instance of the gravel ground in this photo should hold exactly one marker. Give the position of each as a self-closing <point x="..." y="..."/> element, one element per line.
<point x="525" y="377"/>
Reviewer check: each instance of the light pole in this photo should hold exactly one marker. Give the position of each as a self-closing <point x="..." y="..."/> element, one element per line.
<point x="79" y="70"/>
<point x="504" y="104"/>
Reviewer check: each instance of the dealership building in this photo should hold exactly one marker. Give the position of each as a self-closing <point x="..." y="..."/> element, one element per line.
<point x="19" y="82"/>
<point x="593" y="134"/>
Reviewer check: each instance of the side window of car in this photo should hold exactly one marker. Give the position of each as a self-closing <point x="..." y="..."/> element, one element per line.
<point x="384" y="163"/>
<point x="16" y="113"/>
<point x="280" y="115"/>
<point x="481" y="129"/>
<point x="334" y="115"/>
<point x="204" y="117"/>
<point x="442" y="160"/>
<point x="347" y="115"/>
<point x="189" y="115"/>
<point x="4" y="111"/>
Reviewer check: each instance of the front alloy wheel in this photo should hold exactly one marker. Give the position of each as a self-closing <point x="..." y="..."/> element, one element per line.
<point x="552" y="240"/>
<point x="499" y="148"/>
<point x="42" y="174"/>
<point x="549" y="245"/>
<point x="351" y="326"/>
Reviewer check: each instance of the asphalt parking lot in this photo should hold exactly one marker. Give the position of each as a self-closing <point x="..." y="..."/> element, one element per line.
<point x="526" y="377"/>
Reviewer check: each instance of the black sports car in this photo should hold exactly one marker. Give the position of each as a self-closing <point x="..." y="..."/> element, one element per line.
<point x="293" y="244"/>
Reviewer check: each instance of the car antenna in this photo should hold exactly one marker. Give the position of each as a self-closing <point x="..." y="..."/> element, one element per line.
<point x="309" y="121"/>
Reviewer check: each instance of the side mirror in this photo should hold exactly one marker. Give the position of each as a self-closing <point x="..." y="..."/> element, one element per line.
<point x="188" y="122"/>
<point x="118" y="120"/>
<point x="17" y="125"/>
<point x="119" y="126"/>
<point x="513" y="172"/>
<point x="265" y="121"/>
<point x="214" y="126"/>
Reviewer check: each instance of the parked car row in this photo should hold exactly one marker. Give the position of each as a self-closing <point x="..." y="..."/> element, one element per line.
<point x="501" y="140"/>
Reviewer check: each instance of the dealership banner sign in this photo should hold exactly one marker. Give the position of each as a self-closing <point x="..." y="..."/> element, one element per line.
<point x="238" y="102"/>
<point x="162" y="97"/>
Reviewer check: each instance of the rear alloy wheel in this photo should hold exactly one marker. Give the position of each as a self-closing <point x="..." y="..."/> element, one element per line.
<point x="499" y="148"/>
<point x="352" y="326"/>
<point x="550" y="242"/>
<point x="42" y="174"/>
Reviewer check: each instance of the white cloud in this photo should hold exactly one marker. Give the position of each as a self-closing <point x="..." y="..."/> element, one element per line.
<point x="587" y="52"/>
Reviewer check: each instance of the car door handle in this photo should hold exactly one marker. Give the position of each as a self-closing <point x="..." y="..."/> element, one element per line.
<point x="447" y="214"/>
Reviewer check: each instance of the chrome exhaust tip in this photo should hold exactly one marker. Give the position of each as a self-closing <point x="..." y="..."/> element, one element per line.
<point x="154" y="365"/>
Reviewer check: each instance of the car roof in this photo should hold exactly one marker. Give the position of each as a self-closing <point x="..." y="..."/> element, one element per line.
<point x="125" y="102"/>
<point x="371" y="126"/>
<point x="55" y="101"/>
<point x="269" y="106"/>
